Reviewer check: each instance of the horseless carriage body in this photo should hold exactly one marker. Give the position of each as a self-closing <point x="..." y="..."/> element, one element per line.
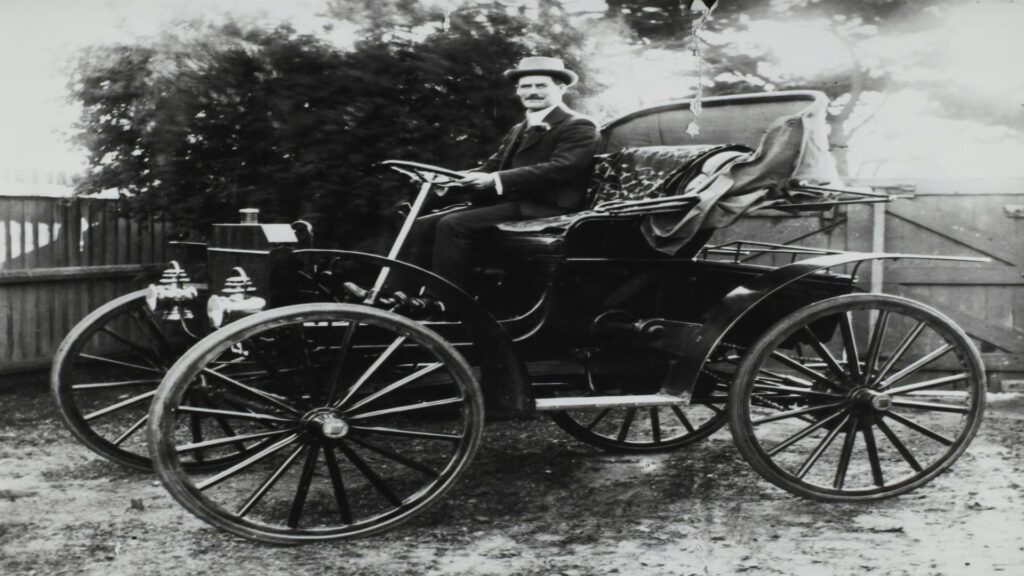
<point x="321" y="412"/>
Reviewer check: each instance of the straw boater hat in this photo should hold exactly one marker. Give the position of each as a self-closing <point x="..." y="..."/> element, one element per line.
<point x="542" y="66"/>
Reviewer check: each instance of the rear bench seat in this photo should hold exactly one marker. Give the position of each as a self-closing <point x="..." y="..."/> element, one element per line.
<point x="630" y="174"/>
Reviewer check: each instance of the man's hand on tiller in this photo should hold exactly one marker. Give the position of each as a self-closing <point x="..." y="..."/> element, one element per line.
<point x="476" y="181"/>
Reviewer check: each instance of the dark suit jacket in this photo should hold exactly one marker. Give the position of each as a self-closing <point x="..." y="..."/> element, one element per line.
<point x="549" y="167"/>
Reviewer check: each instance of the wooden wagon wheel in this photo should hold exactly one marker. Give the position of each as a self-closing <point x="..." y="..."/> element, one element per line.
<point x="106" y="371"/>
<point x="888" y="394"/>
<point x="657" y="428"/>
<point x="368" y="418"/>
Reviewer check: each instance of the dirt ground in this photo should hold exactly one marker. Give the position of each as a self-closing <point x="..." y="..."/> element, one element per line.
<point x="535" y="501"/>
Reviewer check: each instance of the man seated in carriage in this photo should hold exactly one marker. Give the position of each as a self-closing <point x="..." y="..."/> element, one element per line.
<point x="540" y="169"/>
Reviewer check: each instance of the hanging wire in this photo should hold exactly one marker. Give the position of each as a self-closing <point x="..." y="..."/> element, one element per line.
<point x="693" y="128"/>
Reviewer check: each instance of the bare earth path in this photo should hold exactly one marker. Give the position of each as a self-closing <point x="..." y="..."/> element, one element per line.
<point x="534" y="502"/>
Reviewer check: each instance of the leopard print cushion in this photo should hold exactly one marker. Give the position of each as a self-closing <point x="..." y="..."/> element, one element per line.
<point x="644" y="172"/>
<point x="630" y="174"/>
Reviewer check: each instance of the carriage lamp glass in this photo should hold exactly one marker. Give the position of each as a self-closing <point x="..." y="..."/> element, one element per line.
<point x="171" y="296"/>
<point x="236" y="299"/>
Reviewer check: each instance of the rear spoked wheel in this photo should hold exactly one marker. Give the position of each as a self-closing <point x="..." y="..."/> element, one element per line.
<point x="858" y="397"/>
<point x="358" y="420"/>
<point x="643" y="429"/>
<point x="653" y="428"/>
<point x="106" y="371"/>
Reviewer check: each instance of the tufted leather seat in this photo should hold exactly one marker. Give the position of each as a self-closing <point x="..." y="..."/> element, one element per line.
<point x="630" y="174"/>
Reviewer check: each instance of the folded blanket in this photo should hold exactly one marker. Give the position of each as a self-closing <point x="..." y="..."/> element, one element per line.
<point x="648" y="172"/>
<point x="794" y="148"/>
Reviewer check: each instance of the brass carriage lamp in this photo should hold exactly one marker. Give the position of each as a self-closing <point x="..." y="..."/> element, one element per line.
<point x="170" y="297"/>
<point x="235" y="300"/>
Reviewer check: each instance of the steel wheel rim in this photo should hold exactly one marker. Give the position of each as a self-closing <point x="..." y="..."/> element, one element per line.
<point x="876" y="417"/>
<point x="305" y="449"/>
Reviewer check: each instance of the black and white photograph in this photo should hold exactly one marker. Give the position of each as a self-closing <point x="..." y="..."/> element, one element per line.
<point x="512" y="287"/>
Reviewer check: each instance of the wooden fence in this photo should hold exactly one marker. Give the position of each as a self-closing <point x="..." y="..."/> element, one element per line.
<point x="59" y="259"/>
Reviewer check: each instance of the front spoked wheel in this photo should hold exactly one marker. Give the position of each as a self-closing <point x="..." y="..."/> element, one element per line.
<point x="858" y="397"/>
<point x="358" y="420"/>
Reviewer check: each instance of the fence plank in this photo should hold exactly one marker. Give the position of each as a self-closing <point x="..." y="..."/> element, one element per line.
<point x="59" y="259"/>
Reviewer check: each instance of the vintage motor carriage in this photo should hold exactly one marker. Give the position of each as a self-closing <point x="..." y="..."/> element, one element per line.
<point x="293" y="393"/>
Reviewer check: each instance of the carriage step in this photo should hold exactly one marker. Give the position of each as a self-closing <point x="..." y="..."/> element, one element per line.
<point x="599" y="402"/>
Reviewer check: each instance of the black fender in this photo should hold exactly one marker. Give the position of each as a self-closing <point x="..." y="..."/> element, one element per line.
<point x="698" y="343"/>
<point x="505" y="380"/>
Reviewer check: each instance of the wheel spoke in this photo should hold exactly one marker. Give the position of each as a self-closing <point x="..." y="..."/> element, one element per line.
<point x="396" y="385"/>
<point x="920" y="428"/>
<point x="196" y="426"/>
<point x="370" y="475"/>
<point x="716" y="409"/>
<point x="844" y="456"/>
<point x="188" y="409"/>
<point x="229" y="472"/>
<point x="407" y="408"/>
<point x="800" y="435"/>
<point x="142" y="352"/>
<point x="278" y="375"/>
<point x="806" y="370"/>
<point x="249" y="389"/>
<point x="149" y="327"/>
<point x="120" y="363"/>
<point x="269" y="483"/>
<point x="798" y="382"/>
<point x="600" y="416"/>
<point x="118" y="384"/>
<point x="877" y="336"/>
<point x="409" y="462"/>
<point x="655" y="425"/>
<point x="339" y="363"/>
<point x="876" y="465"/>
<point x="302" y="488"/>
<point x="119" y="405"/>
<point x="408" y="433"/>
<point x="798" y="392"/>
<point x="930" y="406"/>
<point x="131" y="430"/>
<point x="900" y="447"/>
<point x="683" y="419"/>
<point x="307" y="364"/>
<point x="850" y="346"/>
<point x="915" y="366"/>
<point x="796" y="412"/>
<point x="934" y="383"/>
<point x="824" y="354"/>
<point x="206" y="444"/>
<point x="337" y="484"/>
<point x="898" y="353"/>
<point x="820" y="449"/>
<point x="369" y="372"/>
<point x="627" y="422"/>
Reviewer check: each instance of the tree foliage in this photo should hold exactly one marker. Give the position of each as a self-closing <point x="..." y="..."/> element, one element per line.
<point x="209" y="120"/>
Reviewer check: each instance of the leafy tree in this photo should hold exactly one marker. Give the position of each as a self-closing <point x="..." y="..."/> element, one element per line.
<point x="198" y="124"/>
<point x="736" y="64"/>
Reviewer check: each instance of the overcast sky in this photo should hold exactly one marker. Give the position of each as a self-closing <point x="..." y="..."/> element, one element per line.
<point x="984" y="41"/>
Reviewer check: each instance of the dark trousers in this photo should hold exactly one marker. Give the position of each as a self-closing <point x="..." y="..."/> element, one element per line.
<point x="448" y="243"/>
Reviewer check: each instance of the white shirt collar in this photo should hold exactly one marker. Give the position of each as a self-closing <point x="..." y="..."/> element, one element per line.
<point x="535" y="117"/>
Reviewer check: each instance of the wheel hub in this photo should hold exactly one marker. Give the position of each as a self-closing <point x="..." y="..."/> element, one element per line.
<point x="865" y="398"/>
<point x="328" y="424"/>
